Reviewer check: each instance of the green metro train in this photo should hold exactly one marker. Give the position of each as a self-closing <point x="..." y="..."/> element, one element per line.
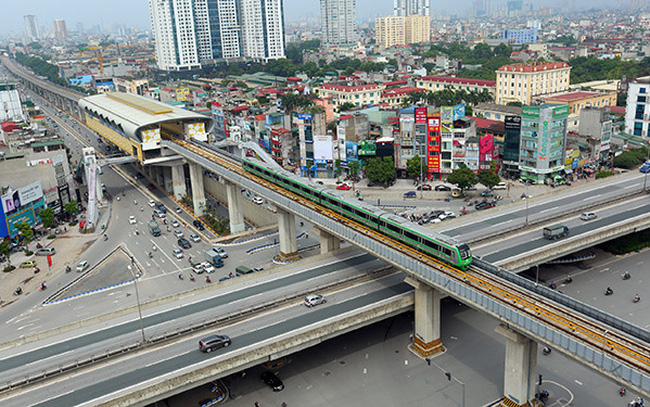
<point x="396" y="227"/>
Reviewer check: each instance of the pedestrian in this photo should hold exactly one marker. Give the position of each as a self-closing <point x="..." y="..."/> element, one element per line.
<point x="307" y="235"/>
<point x="230" y="275"/>
<point x="256" y="404"/>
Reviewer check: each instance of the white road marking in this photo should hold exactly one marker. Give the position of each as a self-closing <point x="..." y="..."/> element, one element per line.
<point x="365" y="371"/>
<point x="549" y="209"/>
<point x="579" y="383"/>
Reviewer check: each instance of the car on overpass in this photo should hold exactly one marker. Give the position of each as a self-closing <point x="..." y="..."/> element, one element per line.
<point x="314" y="299"/>
<point x="212" y="342"/>
<point x="588" y="216"/>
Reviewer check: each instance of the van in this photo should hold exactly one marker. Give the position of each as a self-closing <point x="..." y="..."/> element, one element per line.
<point x="159" y="214"/>
<point x="243" y="270"/>
<point x="44" y="251"/>
<point x="500" y="185"/>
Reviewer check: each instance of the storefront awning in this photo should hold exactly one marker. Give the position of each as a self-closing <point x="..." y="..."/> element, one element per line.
<point x="568" y="171"/>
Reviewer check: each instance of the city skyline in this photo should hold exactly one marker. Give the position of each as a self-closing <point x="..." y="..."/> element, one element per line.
<point x="76" y="11"/>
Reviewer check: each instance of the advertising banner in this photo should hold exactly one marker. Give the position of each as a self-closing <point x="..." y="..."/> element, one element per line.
<point x="367" y="148"/>
<point x="351" y="151"/>
<point x="197" y="131"/>
<point x="305" y="116"/>
<point x="322" y="148"/>
<point x="151" y="139"/>
<point x="30" y="193"/>
<point x="420" y="115"/>
<point x="11" y="201"/>
<point x="459" y="111"/>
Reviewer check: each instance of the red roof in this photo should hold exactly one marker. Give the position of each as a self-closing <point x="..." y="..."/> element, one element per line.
<point x="294" y="79"/>
<point x="344" y="88"/>
<point x="8" y="126"/>
<point x="572" y="97"/>
<point x="483" y="123"/>
<point x="241" y="108"/>
<point x="401" y="91"/>
<point x="618" y="110"/>
<point x="460" y="81"/>
<point x="346" y="117"/>
<point x="395" y="83"/>
<point x="533" y="67"/>
<point x="216" y="104"/>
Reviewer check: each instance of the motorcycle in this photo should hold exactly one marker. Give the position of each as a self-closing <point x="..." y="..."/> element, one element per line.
<point x="43" y="287"/>
<point x="68" y="269"/>
<point x="18" y="291"/>
<point x="546" y="351"/>
<point x="150" y="255"/>
<point x="105" y="238"/>
<point x="191" y="277"/>
<point x="180" y="276"/>
<point x="636" y="299"/>
<point x="609" y="291"/>
<point x="626" y="276"/>
<point x="568" y="280"/>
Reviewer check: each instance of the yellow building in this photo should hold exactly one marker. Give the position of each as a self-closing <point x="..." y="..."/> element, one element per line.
<point x="526" y="82"/>
<point x="389" y="31"/>
<point x="358" y="95"/>
<point x="417" y="29"/>
<point x="579" y="100"/>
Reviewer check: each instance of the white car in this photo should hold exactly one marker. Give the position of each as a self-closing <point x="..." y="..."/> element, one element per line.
<point x="175" y="223"/>
<point x="207" y="267"/>
<point x="197" y="268"/>
<point x="152" y="203"/>
<point x="195" y="238"/>
<point x="314" y="299"/>
<point x="222" y="253"/>
<point x="178" y="233"/>
<point x="82" y="266"/>
<point x="258" y="200"/>
<point x="132" y="220"/>
<point x="588" y="216"/>
<point x="178" y="253"/>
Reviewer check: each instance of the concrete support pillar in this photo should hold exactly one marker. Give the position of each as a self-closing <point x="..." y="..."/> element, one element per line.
<point x="234" y="208"/>
<point x="198" y="193"/>
<point x="287" y="231"/>
<point x="328" y="242"/>
<point x="160" y="176"/>
<point x="520" y="369"/>
<point x="426" y="340"/>
<point x="178" y="182"/>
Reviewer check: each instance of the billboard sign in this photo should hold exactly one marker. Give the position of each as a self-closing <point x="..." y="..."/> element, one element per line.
<point x="305" y="116"/>
<point x="459" y="111"/>
<point x="420" y="115"/>
<point x="367" y="148"/>
<point x="30" y="193"/>
<point x="322" y="148"/>
<point x="351" y="151"/>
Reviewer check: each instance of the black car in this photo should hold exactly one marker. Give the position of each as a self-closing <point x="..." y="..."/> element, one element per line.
<point x="213" y="342"/>
<point x="442" y="188"/>
<point x="270" y="379"/>
<point x="484" y="205"/>
<point x="424" y="187"/>
<point x="184" y="243"/>
<point x="161" y="207"/>
<point x="197" y="224"/>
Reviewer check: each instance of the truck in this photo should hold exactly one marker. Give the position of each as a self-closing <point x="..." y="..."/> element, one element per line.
<point x="556" y="232"/>
<point x="212" y="256"/>
<point x="154" y="228"/>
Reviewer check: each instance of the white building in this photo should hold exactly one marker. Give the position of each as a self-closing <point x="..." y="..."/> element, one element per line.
<point x="262" y="29"/>
<point x="338" y="22"/>
<point x="637" y="110"/>
<point x="31" y="26"/>
<point x="407" y="7"/>
<point x="174" y="30"/>
<point x="60" y="30"/>
<point x="190" y="33"/>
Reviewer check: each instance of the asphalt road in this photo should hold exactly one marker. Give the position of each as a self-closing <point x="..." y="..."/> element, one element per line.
<point x="182" y="313"/>
<point x="125" y="372"/>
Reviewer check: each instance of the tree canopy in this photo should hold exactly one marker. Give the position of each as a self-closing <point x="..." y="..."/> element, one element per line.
<point x="380" y="170"/>
<point x="414" y="166"/>
<point x="462" y="177"/>
<point x="489" y="178"/>
<point x="47" y="217"/>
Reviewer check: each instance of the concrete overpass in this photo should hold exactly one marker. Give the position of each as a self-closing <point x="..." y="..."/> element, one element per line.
<point x="432" y="279"/>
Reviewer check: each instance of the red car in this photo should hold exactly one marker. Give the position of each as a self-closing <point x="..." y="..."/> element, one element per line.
<point x="344" y="187"/>
<point x="82" y="224"/>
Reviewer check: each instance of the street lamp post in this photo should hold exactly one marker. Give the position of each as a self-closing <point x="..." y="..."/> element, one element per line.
<point x="137" y="297"/>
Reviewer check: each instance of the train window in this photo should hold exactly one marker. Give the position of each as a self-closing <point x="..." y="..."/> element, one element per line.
<point x="411" y="235"/>
<point x="392" y="227"/>
<point x="446" y="251"/>
<point x="382" y="224"/>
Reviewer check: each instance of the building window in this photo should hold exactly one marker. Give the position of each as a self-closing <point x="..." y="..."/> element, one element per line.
<point x="641" y="90"/>
<point x="641" y="99"/>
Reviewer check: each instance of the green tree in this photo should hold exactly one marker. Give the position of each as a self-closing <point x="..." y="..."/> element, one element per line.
<point x="337" y="167"/>
<point x="627" y="160"/>
<point x="25" y="231"/>
<point x="353" y="168"/>
<point x="346" y="106"/>
<point x="295" y="102"/>
<point x="515" y="103"/>
<point x="70" y="208"/>
<point x="47" y="217"/>
<point x="489" y="178"/>
<point x="463" y="178"/>
<point x="414" y="166"/>
<point x="380" y="170"/>
<point x="5" y="249"/>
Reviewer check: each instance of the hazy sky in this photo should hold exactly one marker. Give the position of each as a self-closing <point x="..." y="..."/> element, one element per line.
<point x="136" y="12"/>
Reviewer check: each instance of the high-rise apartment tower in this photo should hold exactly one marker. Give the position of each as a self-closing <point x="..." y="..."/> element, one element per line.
<point x="407" y="7"/>
<point x="338" y="22"/>
<point x="60" y="30"/>
<point x="31" y="26"/>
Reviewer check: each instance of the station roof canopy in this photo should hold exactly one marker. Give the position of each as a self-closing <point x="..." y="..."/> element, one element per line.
<point x="133" y="112"/>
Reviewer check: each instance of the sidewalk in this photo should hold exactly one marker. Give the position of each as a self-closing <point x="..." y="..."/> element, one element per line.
<point x="70" y="244"/>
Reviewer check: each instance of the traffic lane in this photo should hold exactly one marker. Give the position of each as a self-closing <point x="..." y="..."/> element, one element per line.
<point x="541" y="208"/>
<point x="534" y="239"/>
<point x="107" y="379"/>
<point x="37" y="352"/>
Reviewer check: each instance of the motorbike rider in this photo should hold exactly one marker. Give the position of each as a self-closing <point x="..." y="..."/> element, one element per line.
<point x="637" y="298"/>
<point x="626" y="275"/>
<point x="608" y="291"/>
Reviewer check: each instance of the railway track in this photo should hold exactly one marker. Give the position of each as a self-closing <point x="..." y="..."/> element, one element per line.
<point x="618" y="346"/>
